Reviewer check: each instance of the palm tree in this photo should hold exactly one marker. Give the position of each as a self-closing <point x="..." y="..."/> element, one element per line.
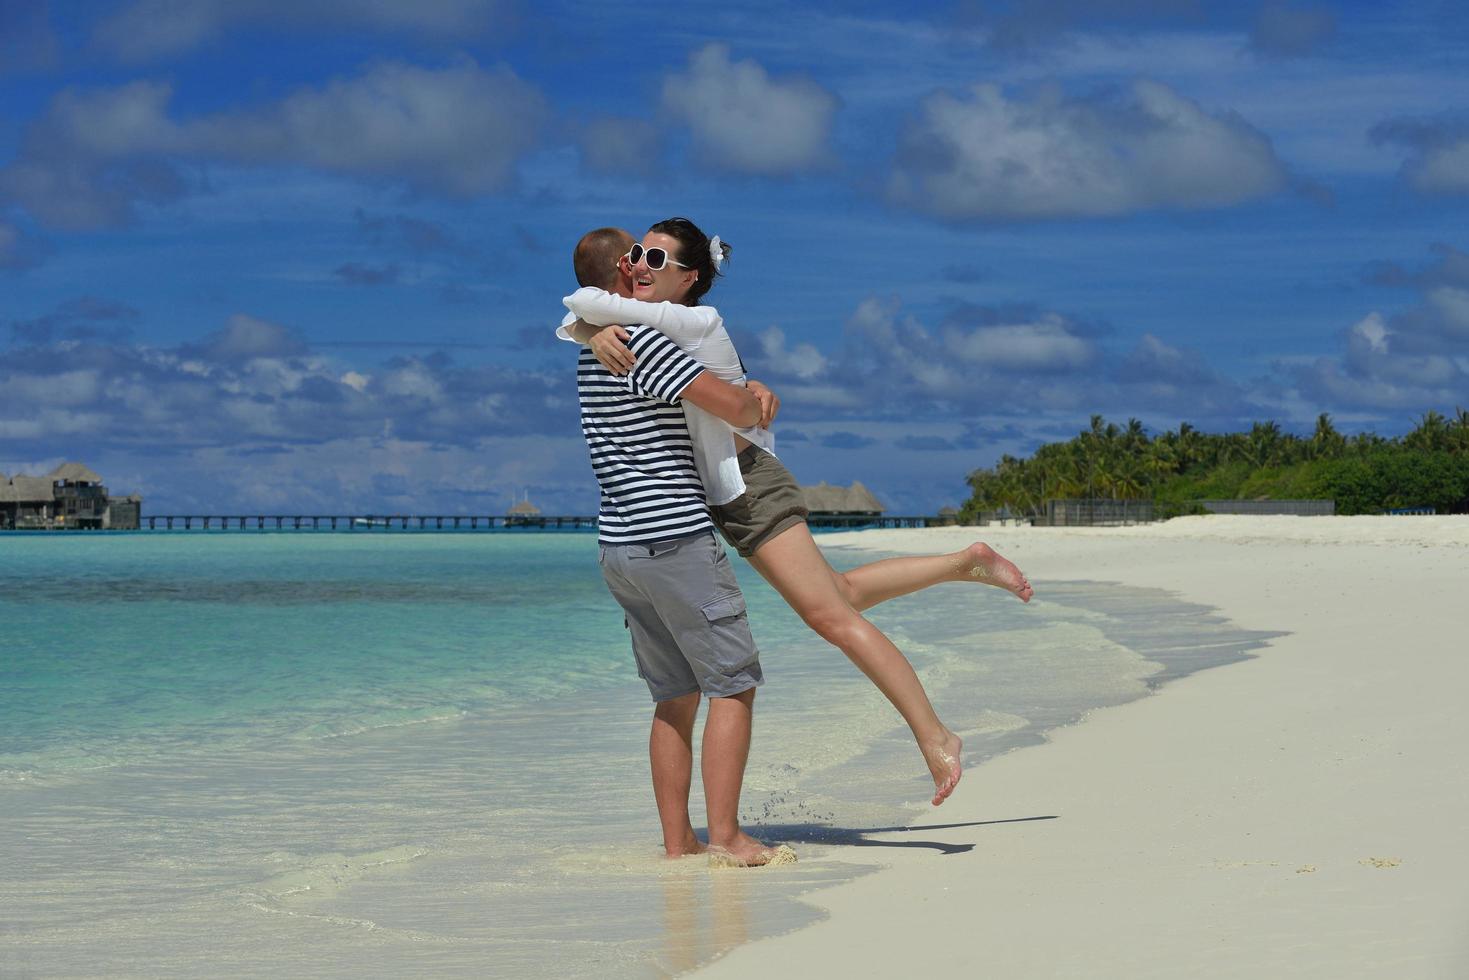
<point x="1459" y="436"/>
<point x="1128" y="482"/>
<point x="1431" y="435"/>
<point x="1190" y="445"/>
<point x="1136" y="436"/>
<point x="1265" y="444"/>
<point x="1235" y="446"/>
<point x="1365" y="442"/>
<point x="982" y="482"/>
<point x="1161" y="460"/>
<point x="1326" y="442"/>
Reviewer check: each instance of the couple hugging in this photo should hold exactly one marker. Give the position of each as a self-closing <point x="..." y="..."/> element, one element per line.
<point x="680" y="443"/>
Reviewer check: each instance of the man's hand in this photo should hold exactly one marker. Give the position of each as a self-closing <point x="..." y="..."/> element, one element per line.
<point x="610" y="347"/>
<point x="769" y="402"/>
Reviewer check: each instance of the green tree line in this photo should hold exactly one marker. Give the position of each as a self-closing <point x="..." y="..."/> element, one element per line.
<point x="1364" y="473"/>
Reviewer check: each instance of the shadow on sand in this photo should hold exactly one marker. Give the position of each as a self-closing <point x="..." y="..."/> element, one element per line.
<point x="816" y="833"/>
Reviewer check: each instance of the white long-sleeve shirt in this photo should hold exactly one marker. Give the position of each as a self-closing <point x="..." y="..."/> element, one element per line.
<point x="699" y="332"/>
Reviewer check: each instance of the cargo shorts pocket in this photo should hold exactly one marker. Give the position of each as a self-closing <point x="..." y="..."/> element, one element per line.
<point x="723" y="608"/>
<point x="729" y="634"/>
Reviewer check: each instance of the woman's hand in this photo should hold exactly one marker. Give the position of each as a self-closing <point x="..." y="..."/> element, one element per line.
<point x="610" y="347"/>
<point x="769" y="402"/>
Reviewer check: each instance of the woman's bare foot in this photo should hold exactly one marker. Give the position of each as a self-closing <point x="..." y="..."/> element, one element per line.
<point x="984" y="564"/>
<point x="744" y="851"/>
<point x="942" y="757"/>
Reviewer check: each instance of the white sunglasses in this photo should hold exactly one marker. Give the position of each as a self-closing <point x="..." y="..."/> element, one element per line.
<point x="657" y="258"/>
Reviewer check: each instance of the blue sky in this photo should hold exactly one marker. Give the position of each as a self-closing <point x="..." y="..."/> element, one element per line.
<point x="259" y="255"/>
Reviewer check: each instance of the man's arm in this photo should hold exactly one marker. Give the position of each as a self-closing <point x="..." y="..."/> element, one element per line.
<point x="667" y="373"/>
<point x="736" y="405"/>
<point x="769" y="401"/>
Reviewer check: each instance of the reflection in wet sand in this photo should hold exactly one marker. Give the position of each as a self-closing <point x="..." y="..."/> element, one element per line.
<point x="704" y="916"/>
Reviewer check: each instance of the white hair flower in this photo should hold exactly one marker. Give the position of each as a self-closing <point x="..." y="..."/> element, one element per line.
<point x="716" y="252"/>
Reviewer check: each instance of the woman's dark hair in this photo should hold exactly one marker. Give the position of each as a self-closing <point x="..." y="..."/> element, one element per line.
<point x="693" y="251"/>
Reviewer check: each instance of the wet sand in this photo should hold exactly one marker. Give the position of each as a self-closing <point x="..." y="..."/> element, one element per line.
<point x="1300" y="814"/>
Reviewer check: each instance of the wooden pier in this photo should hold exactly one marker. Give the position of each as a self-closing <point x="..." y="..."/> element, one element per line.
<point x="359" y="522"/>
<point x="367" y="523"/>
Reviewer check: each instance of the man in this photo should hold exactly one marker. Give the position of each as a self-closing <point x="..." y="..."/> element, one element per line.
<point x="690" y="634"/>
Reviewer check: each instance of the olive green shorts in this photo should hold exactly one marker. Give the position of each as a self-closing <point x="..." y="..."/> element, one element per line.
<point x="771" y="503"/>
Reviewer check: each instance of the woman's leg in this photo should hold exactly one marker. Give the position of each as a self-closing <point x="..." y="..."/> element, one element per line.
<point x="879" y="581"/>
<point x="792" y="563"/>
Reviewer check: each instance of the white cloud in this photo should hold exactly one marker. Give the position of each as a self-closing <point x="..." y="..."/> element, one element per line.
<point x="253" y="381"/>
<point x="1369" y="334"/>
<point x="457" y="131"/>
<point x="1406" y="362"/>
<point x="1043" y="345"/>
<point x="412" y="380"/>
<point x="246" y="337"/>
<point x="974" y="356"/>
<point x="1452" y="305"/>
<point x="147" y="29"/>
<point x="1372" y="352"/>
<point x="984" y="155"/>
<point x="804" y="361"/>
<point x="992" y="362"/>
<point x="743" y="120"/>
<point x="1438" y="152"/>
<point x="1444" y="169"/>
<point x="1154" y="361"/>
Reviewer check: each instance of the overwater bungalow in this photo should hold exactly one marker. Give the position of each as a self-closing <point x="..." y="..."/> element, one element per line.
<point x="524" y="514"/>
<point x="71" y="496"/>
<point x="825" y="500"/>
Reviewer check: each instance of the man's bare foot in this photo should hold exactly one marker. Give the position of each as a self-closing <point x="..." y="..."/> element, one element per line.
<point x="984" y="564"/>
<point x="744" y="851"/>
<point x="689" y="845"/>
<point x="943" y="763"/>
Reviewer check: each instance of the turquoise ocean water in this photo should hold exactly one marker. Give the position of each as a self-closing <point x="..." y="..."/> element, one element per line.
<point x="255" y="753"/>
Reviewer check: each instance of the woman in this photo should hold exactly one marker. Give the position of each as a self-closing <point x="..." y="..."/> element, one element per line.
<point x="766" y="523"/>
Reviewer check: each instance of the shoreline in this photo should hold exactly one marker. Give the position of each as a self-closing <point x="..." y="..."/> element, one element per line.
<point x="1300" y="813"/>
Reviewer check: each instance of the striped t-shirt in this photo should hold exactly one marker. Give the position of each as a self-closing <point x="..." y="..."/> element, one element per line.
<point x="639" y="442"/>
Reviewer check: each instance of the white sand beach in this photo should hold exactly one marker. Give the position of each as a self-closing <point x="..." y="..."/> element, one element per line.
<point x="1301" y="814"/>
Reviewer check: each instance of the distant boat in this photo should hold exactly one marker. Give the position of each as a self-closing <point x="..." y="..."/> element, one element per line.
<point x="369" y="522"/>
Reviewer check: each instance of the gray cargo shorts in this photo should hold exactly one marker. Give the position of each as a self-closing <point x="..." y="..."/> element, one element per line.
<point x="686" y="615"/>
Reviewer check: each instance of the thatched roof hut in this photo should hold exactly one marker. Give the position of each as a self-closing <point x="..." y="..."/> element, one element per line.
<point x="74" y="473"/>
<point x="25" y="489"/>
<point x="524" y="509"/>
<point x="827" y="499"/>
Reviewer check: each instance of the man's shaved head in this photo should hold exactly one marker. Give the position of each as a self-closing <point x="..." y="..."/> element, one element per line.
<point x="596" y="255"/>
